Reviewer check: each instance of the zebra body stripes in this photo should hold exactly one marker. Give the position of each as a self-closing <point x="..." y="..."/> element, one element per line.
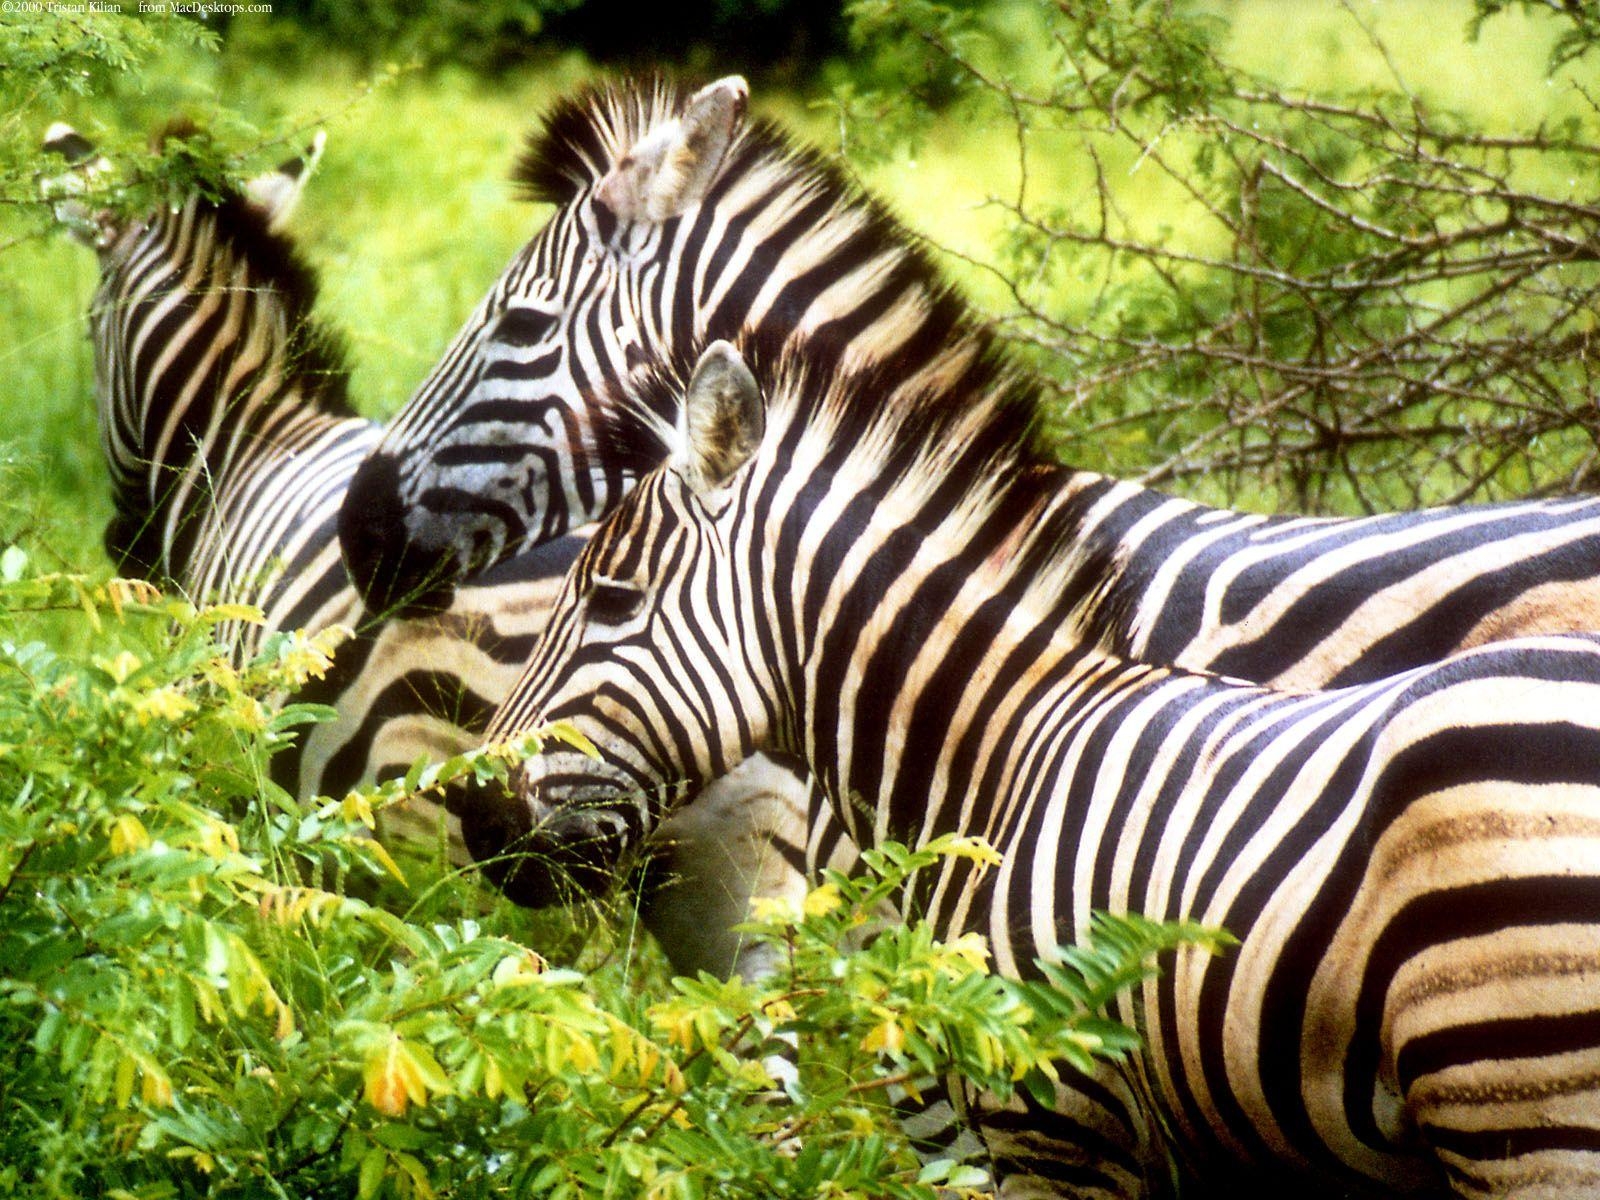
<point x="504" y="443"/>
<point x="900" y="596"/>
<point x="231" y="446"/>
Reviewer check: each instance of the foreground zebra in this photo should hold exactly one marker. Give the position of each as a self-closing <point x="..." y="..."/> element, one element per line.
<point x="898" y="594"/>
<point x="225" y="422"/>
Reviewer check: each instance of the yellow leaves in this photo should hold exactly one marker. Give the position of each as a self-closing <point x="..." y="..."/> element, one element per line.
<point x="974" y="849"/>
<point x="513" y="750"/>
<point x="672" y="1079"/>
<point x="128" y="834"/>
<point x="290" y="905"/>
<point x="202" y="1161"/>
<point x="494" y="1080"/>
<point x="155" y="1085"/>
<point x="971" y="949"/>
<point x="302" y="656"/>
<point x="122" y="666"/>
<point x="779" y="1010"/>
<point x="774" y="910"/>
<point x="888" y="1036"/>
<point x="822" y="900"/>
<point x="357" y="806"/>
<point x="165" y="703"/>
<point x="374" y="849"/>
<point x="123" y="593"/>
<point x="217" y="839"/>
<point x="582" y="1055"/>
<point x="399" y="1073"/>
<point x="250" y="614"/>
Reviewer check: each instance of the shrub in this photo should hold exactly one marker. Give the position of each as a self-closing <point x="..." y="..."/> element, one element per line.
<point x="195" y="1001"/>
<point x="1338" y="296"/>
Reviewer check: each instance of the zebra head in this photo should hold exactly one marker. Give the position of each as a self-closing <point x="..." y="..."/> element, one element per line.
<point x="642" y="659"/>
<point x="677" y="224"/>
<point x="89" y="175"/>
<point x="495" y="452"/>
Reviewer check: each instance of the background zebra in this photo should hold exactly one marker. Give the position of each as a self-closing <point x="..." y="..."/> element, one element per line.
<point x="675" y="221"/>
<point x="503" y="444"/>
<point x="224" y="419"/>
<point x="899" y="595"/>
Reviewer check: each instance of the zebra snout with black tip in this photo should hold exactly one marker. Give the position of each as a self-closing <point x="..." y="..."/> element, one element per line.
<point x="540" y="856"/>
<point x="394" y="576"/>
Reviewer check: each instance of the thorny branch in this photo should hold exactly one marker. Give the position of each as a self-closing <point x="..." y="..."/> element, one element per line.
<point x="1369" y="304"/>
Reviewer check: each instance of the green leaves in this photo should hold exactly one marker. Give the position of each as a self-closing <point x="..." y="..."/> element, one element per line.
<point x="201" y="995"/>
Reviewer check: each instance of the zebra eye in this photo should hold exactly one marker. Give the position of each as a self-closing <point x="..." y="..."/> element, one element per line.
<point x="612" y="603"/>
<point x="524" y="326"/>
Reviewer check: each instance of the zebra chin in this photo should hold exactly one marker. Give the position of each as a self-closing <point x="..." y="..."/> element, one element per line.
<point x="540" y="853"/>
<point x="394" y="576"/>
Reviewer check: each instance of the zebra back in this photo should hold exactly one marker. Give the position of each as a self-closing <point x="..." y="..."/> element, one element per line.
<point x="222" y="402"/>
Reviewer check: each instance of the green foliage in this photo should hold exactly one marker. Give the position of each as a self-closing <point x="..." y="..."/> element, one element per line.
<point x="60" y="64"/>
<point x="481" y="33"/>
<point x="194" y="1001"/>
<point x="1579" y="35"/>
<point x="1335" y="297"/>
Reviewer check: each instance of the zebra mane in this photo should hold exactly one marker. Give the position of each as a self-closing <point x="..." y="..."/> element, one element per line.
<point x="960" y="453"/>
<point x="584" y="133"/>
<point x="316" y="356"/>
<point x="965" y="447"/>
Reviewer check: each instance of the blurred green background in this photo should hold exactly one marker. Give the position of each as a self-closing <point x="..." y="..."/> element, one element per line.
<point x="411" y="218"/>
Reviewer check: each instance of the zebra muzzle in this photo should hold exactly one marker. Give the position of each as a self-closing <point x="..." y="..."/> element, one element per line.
<point x="542" y="854"/>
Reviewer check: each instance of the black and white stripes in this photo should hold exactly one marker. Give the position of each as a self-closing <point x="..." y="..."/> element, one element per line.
<point x="895" y="589"/>
<point x="230" y="445"/>
<point x="675" y="221"/>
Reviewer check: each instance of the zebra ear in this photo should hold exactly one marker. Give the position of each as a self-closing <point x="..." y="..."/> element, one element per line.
<point x="277" y="192"/>
<point x="723" y="419"/>
<point x="673" y="166"/>
<point x="84" y="166"/>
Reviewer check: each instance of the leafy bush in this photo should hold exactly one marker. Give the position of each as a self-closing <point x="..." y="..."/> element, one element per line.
<point x="195" y="1001"/>
<point x="1339" y="297"/>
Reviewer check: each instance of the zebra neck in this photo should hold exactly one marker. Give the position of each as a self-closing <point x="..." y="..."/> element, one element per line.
<point x="888" y="634"/>
<point x="204" y="397"/>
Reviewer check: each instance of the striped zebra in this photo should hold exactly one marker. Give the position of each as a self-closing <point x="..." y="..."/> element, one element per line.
<point x="677" y="223"/>
<point x="231" y="443"/>
<point x="898" y="592"/>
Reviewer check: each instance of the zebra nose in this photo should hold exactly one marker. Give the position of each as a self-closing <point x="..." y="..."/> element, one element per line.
<point x="565" y="857"/>
<point x="393" y="575"/>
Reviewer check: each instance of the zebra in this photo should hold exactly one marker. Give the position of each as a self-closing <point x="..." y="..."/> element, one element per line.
<point x="226" y="424"/>
<point x="676" y="220"/>
<point x="645" y="258"/>
<point x="898" y="593"/>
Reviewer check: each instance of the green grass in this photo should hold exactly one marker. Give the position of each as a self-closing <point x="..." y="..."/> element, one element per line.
<point x="411" y="217"/>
